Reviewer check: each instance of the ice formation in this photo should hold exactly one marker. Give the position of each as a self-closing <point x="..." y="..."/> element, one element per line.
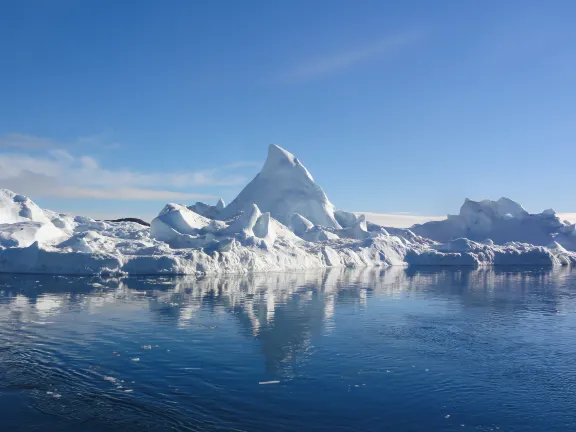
<point x="501" y="221"/>
<point x="284" y="187"/>
<point x="282" y="220"/>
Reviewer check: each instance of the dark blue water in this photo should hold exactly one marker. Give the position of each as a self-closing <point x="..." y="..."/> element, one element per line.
<point x="371" y="350"/>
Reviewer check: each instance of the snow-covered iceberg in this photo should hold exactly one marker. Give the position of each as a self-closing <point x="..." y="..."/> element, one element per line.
<point x="282" y="220"/>
<point x="284" y="187"/>
<point x="501" y="221"/>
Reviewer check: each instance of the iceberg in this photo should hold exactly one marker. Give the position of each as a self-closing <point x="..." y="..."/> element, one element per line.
<point x="284" y="187"/>
<point x="22" y="222"/>
<point x="501" y="221"/>
<point x="282" y="220"/>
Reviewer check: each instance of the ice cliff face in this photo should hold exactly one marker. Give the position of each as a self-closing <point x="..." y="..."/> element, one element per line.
<point x="282" y="220"/>
<point x="501" y="221"/>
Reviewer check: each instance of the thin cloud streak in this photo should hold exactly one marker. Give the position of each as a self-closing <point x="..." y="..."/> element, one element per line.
<point x="30" y="142"/>
<point x="53" y="172"/>
<point x="132" y="194"/>
<point x="342" y="60"/>
<point x="24" y="141"/>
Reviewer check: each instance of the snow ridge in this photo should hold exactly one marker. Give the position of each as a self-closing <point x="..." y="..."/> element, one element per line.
<point x="282" y="220"/>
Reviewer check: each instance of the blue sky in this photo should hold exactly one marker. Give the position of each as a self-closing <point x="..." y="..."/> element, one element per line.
<point x="118" y="107"/>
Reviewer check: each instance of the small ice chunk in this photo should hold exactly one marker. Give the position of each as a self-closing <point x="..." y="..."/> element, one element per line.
<point x="268" y="382"/>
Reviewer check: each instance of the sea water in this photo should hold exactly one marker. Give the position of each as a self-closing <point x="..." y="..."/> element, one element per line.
<point x="341" y="350"/>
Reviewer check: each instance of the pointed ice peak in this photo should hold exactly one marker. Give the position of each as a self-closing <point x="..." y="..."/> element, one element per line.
<point x="277" y="154"/>
<point x="299" y="224"/>
<point x="220" y="204"/>
<point x="279" y="159"/>
<point x="246" y="221"/>
<point x="557" y="247"/>
<point x="358" y="230"/>
<point x="362" y="222"/>
<point x="264" y="229"/>
<point x="284" y="187"/>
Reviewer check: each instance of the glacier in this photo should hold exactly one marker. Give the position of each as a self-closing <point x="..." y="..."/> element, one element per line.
<point x="282" y="220"/>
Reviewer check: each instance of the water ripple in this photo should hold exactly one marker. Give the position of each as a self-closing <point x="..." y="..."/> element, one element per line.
<point x="371" y="350"/>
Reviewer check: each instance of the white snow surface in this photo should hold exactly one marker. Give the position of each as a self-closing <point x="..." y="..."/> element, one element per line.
<point x="281" y="221"/>
<point x="18" y="208"/>
<point x="501" y="221"/>
<point x="285" y="187"/>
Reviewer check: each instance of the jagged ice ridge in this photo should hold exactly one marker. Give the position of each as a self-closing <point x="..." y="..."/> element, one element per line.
<point x="282" y="220"/>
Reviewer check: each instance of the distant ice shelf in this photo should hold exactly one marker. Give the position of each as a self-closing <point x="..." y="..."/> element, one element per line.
<point x="282" y="220"/>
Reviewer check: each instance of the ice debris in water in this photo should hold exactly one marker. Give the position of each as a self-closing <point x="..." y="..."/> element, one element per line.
<point x="268" y="382"/>
<point x="282" y="220"/>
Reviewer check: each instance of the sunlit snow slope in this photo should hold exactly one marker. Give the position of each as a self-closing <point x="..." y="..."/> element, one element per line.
<point x="282" y="220"/>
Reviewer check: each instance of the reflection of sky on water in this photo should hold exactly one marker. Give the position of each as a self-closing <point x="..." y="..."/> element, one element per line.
<point x="282" y="311"/>
<point x="341" y="345"/>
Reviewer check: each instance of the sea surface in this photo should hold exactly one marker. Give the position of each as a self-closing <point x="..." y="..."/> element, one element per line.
<point x="342" y="350"/>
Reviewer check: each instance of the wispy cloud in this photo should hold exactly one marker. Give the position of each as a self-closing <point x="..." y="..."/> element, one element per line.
<point x="55" y="172"/>
<point x="23" y="141"/>
<point x="327" y="64"/>
<point x="31" y="142"/>
<point x="135" y="194"/>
